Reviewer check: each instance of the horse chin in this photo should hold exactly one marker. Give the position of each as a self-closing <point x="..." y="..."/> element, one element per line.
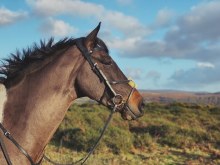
<point x="129" y="114"/>
<point x="126" y="116"/>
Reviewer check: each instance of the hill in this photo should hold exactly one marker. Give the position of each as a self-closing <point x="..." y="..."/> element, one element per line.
<point x="170" y="96"/>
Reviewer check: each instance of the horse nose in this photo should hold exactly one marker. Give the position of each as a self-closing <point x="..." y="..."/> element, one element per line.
<point x="141" y="107"/>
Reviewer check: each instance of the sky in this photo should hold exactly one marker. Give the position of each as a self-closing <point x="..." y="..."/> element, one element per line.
<point x="160" y="44"/>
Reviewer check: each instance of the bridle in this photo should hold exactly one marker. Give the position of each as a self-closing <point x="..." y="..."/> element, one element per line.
<point x="117" y="101"/>
<point x="117" y="98"/>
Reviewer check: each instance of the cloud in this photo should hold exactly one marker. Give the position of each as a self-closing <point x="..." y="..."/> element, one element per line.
<point x="197" y="32"/>
<point x="72" y="7"/>
<point x="8" y="17"/>
<point x="124" y="45"/>
<point x="134" y="73"/>
<point x="164" y="18"/>
<point x="125" y="24"/>
<point x="205" y="65"/>
<point x="188" y="36"/>
<point x="134" y="47"/>
<point x="201" y="22"/>
<point x="57" y="28"/>
<point x="195" y="78"/>
<point x="193" y="35"/>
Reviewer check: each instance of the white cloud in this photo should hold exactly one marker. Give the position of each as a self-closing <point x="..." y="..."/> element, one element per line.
<point x="195" y="78"/>
<point x="127" y="25"/>
<point x="134" y="73"/>
<point x="135" y="47"/>
<point x="185" y="40"/>
<point x="57" y="28"/>
<point x="164" y="17"/>
<point x="72" y="7"/>
<point x="205" y="65"/>
<point x="201" y="23"/>
<point x="194" y="35"/>
<point x="123" y="45"/>
<point x="8" y="17"/>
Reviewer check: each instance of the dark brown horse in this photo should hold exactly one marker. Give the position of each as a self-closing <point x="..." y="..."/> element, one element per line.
<point x="42" y="82"/>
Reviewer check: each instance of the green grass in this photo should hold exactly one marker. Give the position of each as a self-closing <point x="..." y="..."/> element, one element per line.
<point x="167" y="134"/>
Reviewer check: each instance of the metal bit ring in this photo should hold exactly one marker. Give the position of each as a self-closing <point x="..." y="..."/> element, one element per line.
<point x="117" y="100"/>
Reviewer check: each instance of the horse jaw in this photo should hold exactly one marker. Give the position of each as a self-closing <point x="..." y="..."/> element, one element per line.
<point x="3" y="98"/>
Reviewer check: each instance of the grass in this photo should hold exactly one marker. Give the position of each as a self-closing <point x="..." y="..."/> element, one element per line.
<point x="167" y="134"/>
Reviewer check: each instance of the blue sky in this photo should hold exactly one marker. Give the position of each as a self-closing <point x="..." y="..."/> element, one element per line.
<point x="162" y="44"/>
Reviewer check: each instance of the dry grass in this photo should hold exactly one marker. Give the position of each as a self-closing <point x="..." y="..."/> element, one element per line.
<point x="168" y="134"/>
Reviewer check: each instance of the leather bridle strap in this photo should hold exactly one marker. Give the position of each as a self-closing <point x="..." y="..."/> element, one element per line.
<point x="94" y="66"/>
<point x="10" y="137"/>
<point x="4" y="150"/>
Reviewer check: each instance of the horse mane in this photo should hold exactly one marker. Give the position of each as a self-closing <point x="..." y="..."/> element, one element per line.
<point x="21" y="59"/>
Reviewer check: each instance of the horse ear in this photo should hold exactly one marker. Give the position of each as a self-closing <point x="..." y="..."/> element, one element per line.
<point x="90" y="39"/>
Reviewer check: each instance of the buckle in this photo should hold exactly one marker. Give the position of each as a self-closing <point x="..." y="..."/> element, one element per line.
<point x="7" y="134"/>
<point x="118" y="100"/>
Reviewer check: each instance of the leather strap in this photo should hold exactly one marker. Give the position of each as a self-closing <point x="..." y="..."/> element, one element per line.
<point x="4" y="150"/>
<point x="8" y="135"/>
<point x="87" y="56"/>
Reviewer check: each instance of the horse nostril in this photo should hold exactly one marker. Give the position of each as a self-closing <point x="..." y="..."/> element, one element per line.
<point x="141" y="106"/>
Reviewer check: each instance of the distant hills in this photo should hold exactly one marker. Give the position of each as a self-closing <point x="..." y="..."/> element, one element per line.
<point x="169" y="96"/>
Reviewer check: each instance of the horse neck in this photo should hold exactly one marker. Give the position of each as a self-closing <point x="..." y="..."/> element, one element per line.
<point x="37" y="105"/>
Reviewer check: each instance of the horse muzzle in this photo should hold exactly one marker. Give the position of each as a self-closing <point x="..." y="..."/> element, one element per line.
<point x="133" y="108"/>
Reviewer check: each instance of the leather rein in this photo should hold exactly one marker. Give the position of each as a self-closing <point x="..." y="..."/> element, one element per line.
<point x="117" y="101"/>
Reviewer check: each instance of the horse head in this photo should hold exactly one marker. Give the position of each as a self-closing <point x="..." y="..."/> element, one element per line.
<point x="100" y="78"/>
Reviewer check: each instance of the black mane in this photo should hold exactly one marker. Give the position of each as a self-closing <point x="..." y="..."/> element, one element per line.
<point x="19" y="60"/>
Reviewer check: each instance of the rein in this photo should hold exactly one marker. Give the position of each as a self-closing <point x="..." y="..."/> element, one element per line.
<point x="22" y="150"/>
<point x="83" y="160"/>
<point x="117" y="100"/>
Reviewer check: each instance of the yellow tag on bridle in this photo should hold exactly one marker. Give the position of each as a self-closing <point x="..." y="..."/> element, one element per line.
<point x="132" y="83"/>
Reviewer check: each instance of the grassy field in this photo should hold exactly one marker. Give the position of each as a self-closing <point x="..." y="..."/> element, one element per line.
<point x="167" y="134"/>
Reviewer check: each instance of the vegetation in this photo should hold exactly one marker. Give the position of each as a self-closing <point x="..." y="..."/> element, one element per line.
<point x="175" y="133"/>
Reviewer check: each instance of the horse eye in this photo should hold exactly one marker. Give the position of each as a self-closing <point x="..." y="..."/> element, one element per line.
<point x="103" y="58"/>
<point x="106" y="60"/>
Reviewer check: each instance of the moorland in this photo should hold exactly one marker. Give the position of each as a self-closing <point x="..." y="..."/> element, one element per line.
<point x="169" y="133"/>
